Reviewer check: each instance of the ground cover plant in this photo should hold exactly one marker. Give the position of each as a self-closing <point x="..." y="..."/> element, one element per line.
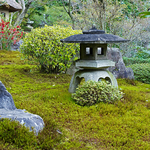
<point x="122" y="125"/>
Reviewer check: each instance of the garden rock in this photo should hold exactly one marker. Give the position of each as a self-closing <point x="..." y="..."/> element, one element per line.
<point x="8" y="110"/>
<point x="16" y="46"/>
<point x="120" y="70"/>
<point x="6" y="100"/>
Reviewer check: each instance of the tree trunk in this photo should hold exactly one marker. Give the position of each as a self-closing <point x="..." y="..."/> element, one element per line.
<point x="23" y="12"/>
<point x="69" y="12"/>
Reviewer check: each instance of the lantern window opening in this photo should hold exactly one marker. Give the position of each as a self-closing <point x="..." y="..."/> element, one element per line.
<point x="89" y="51"/>
<point x="107" y="80"/>
<point x="100" y="51"/>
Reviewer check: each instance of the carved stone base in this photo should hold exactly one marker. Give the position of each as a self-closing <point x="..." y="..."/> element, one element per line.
<point x="95" y="75"/>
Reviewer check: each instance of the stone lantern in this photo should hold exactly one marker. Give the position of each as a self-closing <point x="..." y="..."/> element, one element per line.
<point x="9" y="6"/>
<point x="93" y="62"/>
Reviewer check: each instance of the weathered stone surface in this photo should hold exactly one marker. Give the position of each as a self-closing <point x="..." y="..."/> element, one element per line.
<point x="120" y="70"/>
<point x="6" y="100"/>
<point x="94" y="64"/>
<point x="24" y="117"/>
<point x="8" y="110"/>
<point x="16" y="46"/>
<point x="93" y="36"/>
<point x="94" y="75"/>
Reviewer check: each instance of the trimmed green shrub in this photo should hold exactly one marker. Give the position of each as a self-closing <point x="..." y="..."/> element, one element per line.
<point x="92" y="92"/>
<point x="42" y="46"/>
<point x="145" y="54"/>
<point x="141" y="72"/>
<point x="130" y="61"/>
<point x="14" y="133"/>
<point x="141" y="52"/>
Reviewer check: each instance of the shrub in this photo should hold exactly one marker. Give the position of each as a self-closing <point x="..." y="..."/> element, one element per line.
<point x="92" y="92"/>
<point x="14" y="133"/>
<point x="43" y="47"/>
<point x="141" y="72"/>
<point x="9" y="35"/>
<point x="130" y="61"/>
<point x="145" y="54"/>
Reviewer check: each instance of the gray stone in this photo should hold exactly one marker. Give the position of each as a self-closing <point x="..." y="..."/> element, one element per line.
<point x="16" y="46"/>
<point x="8" y="110"/>
<point x="95" y="75"/>
<point x="6" y="100"/>
<point x="120" y="70"/>
<point x="94" y="64"/>
<point x="93" y="36"/>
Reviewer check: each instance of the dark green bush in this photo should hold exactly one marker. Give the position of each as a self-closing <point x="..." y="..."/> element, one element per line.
<point x="142" y="52"/>
<point x="42" y="46"/>
<point x="130" y="61"/>
<point x="92" y="92"/>
<point x="141" y="72"/>
<point x="14" y="133"/>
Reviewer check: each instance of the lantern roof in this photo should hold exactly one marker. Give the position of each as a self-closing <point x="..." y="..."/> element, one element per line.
<point x="94" y="36"/>
<point x="11" y="5"/>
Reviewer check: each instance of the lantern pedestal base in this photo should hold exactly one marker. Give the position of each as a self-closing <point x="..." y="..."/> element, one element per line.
<point x="95" y="75"/>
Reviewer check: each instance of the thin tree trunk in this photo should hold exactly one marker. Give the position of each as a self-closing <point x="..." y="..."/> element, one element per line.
<point x="69" y="13"/>
<point x="23" y="12"/>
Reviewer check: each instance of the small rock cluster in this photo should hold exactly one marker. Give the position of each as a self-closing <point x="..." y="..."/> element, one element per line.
<point x="9" y="110"/>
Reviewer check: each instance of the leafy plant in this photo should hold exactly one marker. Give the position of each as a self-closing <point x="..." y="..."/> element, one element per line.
<point x="92" y="92"/>
<point x="42" y="46"/>
<point x="9" y="35"/>
<point x="141" y="72"/>
<point x="144" y="14"/>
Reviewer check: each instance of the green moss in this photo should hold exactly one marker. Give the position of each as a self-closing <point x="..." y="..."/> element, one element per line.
<point x="122" y="125"/>
<point x="14" y="133"/>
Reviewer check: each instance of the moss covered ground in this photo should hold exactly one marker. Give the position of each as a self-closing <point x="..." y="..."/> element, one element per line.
<point x="121" y="126"/>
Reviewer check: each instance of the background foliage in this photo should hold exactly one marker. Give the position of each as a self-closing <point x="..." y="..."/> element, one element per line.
<point x="120" y="17"/>
<point x="130" y="61"/>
